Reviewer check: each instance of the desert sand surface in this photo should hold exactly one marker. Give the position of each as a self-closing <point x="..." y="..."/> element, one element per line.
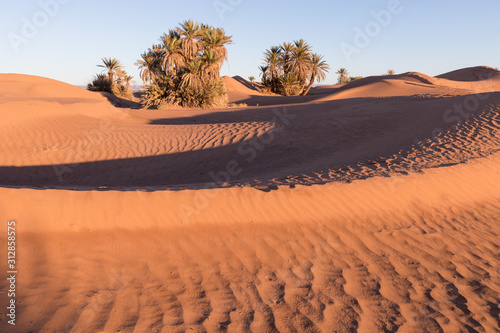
<point x="368" y="207"/>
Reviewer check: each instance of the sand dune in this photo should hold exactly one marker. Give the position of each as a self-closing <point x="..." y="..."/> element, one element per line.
<point x="373" y="209"/>
<point x="480" y="73"/>
<point x="461" y="82"/>
<point x="238" y="91"/>
<point x="241" y="91"/>
<point x="26" y="87"/>
<point x="238" y="84"/>
<point x="339" y="137"/>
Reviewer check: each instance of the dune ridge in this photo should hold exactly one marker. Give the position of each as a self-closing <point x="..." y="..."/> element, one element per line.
<point x="479" y="73"/>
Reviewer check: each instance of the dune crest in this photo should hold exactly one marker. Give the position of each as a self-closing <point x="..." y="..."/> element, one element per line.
<point x="26" y="87"/>
<point x="479" y="73"/>
<point x="462" y="82"/>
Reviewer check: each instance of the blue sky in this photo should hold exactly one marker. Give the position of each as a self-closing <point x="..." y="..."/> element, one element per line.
<point x="427" y="36"/>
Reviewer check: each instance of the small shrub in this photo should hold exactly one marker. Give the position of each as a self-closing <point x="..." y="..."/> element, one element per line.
<point x="266" y="86"/>
<point x="354" y="78"/>
<point x="236" y="105"/>
<point x="100" y="82"/>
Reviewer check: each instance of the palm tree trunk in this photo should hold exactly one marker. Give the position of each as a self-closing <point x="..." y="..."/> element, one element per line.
<point x="311" y="82"/>
<point x="110" y="77"/>
<point x="274" y="87"/>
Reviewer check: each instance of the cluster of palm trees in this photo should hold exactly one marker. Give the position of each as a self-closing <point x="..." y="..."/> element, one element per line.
<point x="183" y="69"/>
<point x="343" y="76"/>
<point x="114" y="78"/>
<point x="292" y="69"/>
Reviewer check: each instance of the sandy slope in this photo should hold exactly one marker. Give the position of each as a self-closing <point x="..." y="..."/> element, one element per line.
<point x="403" y="235"/>
<point x="241" y="91"/>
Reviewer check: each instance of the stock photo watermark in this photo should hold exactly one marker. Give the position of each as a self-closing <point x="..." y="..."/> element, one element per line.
<point x="453" y="117"/>
<point x="363" y="36"/>
<point x="224" y="6"/>
<point x="11" y="272"/>
<point x="32" y="25"/>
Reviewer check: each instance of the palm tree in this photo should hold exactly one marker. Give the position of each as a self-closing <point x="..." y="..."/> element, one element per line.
<point x="149" y="66"/>
<point x="287" y="53"/>
<point x="251" y="78"/>
<point x="318" y="70"/>
<point x="272" y="58"/>
<point x="343" y="75"/>
<point x="120" y="76"/>
<point x="390" y="72"/>
<point x="302" y="44"/>
<point x="193" y="76"/>
<point x="264" y="72"/>
<point x="190" y="32"/>
<point x="128" y="80"/>
<point x="123" y="80"/>
<point x="216" y="40"/>
<point x="113" y="66"/>
<point x="171" y="52"/>
<point x="300" y="61"/>
<point x="114" y="79"/>
<point x="289" y="85"/>
<point x="210" y="64"/>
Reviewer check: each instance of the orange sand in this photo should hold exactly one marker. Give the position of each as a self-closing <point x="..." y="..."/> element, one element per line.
<point x="369" y="207"/>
